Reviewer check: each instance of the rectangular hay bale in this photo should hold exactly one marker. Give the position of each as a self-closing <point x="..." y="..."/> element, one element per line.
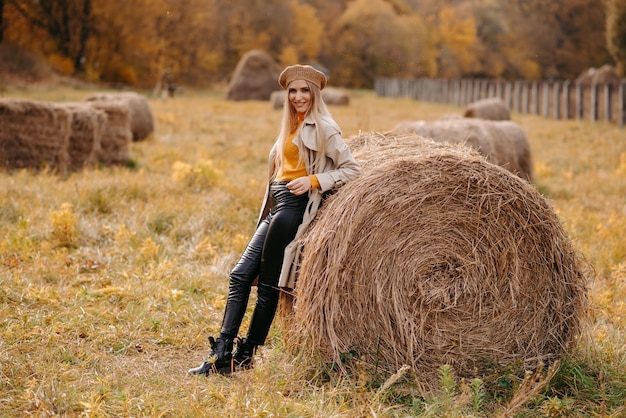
<point x="34" y="134"/>
<point x="88" y="124"/>
<point x="117" y="135"/>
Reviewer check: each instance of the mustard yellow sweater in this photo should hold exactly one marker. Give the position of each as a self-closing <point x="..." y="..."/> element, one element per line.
<point x="291" y="170"/>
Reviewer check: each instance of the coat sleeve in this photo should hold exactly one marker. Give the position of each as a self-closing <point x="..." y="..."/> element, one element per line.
<point x="345" y="167"/>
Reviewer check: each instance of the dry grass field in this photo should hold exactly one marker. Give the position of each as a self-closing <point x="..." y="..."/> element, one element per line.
<point x="112" y="278"/>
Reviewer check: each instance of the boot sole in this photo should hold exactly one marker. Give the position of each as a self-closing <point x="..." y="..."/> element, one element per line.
<point x="223" y="370"/>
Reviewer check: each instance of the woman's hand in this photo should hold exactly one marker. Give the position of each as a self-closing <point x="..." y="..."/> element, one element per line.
<point x="300" y="185"/>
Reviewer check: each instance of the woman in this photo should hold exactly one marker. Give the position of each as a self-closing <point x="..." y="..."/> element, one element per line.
<point x="308" y="159"/>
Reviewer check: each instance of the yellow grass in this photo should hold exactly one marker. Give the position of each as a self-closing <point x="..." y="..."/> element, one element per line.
<point x="111" y="279"/>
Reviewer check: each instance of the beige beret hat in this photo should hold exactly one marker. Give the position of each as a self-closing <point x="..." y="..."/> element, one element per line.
<point x="302" y="72"/>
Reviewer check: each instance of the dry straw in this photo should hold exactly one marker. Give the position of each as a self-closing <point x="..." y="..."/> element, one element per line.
<point x="436" y="256"/>
<point x="34" y="134"/>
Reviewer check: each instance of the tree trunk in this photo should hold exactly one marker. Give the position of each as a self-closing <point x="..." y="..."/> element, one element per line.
<point x="1" y="20"/>
<point x="79" y="59"/>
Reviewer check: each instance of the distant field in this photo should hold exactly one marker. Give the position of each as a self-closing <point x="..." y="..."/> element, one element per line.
<point x="111" y="279"/>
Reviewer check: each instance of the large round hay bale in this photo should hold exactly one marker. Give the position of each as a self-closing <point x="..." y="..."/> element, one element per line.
<point x="34" y="134"/>
<point x="492" y="108"/>
<point x="503" y="142"/>
<point x="255" y="77"/>
<point x="141" y="119"/>
<point x="88" y="124"/>
<point x="435" y="256"/>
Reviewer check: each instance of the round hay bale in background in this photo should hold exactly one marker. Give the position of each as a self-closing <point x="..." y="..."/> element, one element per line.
<point x="255" y="77"/>
<point x="88" y="124"/>
<point x="492" y="108"/>
<point x="503" y="142"/>
<point x="449" y="116"/>
<point x="277" y="99"/>
<point x="335" y="97"/>
<point x="511" y="145"/>
<point x="435" y="256"/>
<point x="141" y="119"/>
<point x="34" y="134"/>
<point x="607" y="74"/>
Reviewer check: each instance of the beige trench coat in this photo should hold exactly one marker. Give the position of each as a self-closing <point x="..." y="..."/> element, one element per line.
<point x="333" y="170"/>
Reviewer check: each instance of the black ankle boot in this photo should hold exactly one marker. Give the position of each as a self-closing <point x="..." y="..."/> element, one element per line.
<point x="244" y="353"/>
<point x="220" y="359"/>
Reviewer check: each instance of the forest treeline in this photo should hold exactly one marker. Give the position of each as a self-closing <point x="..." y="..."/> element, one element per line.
<point x="201" y="41"/>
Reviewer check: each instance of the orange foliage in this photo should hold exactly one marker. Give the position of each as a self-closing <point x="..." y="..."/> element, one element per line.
<point x="201" y="41"/>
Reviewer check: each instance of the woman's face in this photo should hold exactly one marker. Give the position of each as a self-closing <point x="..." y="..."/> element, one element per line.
<point x="300" y="96"/>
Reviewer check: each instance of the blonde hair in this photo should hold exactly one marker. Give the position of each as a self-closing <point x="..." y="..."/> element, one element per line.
<point x="289" y="124"/>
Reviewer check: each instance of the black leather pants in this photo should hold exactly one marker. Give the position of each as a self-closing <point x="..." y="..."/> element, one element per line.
<point x="263" y="257"/>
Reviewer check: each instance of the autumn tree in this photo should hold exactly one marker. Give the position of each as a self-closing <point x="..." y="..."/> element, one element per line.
<point x="67" y="24"/>
<point x="457" y="42"/>
<point x="123" y="47"/>
<point x="1" y="20"/>
<point x="201" y="41"/>
<point x="582" y="37"/>
<point x="372" y="40"/>
<point x="556" y="38"/>
<point x="327" y="10"/>
<point x="491" y="32"/>
<point x="306" y="32"/>
<point x="193" y="55"/>
<point x="616" y="32"/>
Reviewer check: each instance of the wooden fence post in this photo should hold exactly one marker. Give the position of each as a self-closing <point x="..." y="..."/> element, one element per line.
<point x="457" y="93"/>
<point x="546" y="99"/>
<point x="622" y="104"/>
<point x="594" y="102"/>
<point x="608" y="111"/>
<point x="526" y="98"/>
<point x="475" y="90"/>
<point x="484" y="89"/>
<point x="557" y="100"/>
<point x="517" y="96"/>
<point x="491" y="89"/>
<point x="579" y="101"/>
<point x="508" y="94"/>
<point x="470" y="91"/>
<point x="566" y="99"/>
<point x="462" y="92"/>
